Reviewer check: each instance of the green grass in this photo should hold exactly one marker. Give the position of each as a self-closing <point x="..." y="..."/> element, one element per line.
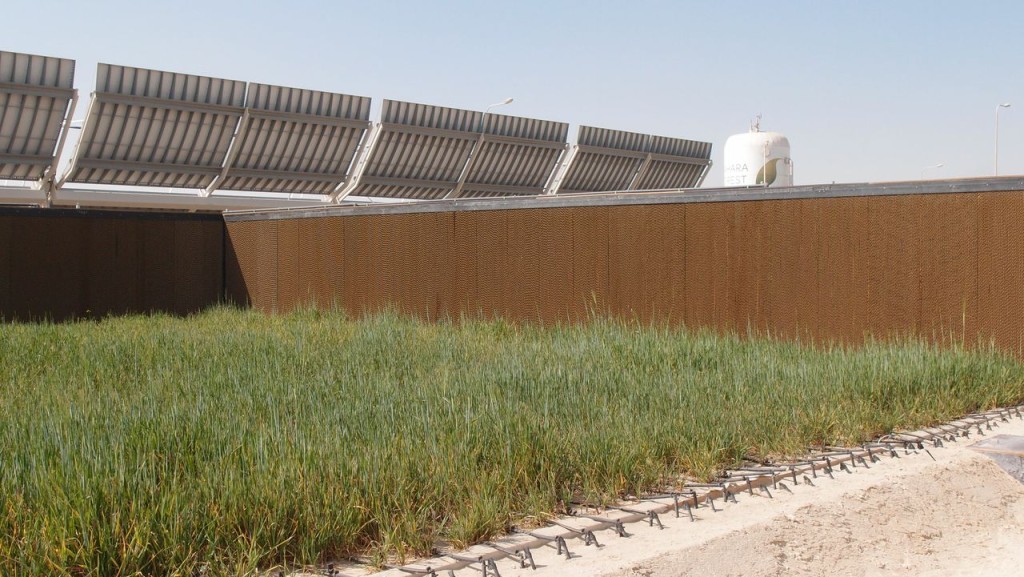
<point x="233" y="440"/>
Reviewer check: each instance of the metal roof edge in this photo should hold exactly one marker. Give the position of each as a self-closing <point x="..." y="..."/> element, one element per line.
<point x="623" y="198"/>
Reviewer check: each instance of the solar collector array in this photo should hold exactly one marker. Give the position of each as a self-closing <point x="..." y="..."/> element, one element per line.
<point x="296" y="141"/>
<point x="515" y="156"/>
<point x="616" y="160"/>
<point x="152" y="128"/>
<point x="149" y="128"/>
<point x="420" y="151"/>
<point x="35" y="92"/>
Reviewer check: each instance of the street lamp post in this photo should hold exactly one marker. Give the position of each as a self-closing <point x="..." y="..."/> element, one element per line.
<point x="502" y="103"/>
<point x="998" y="108"/>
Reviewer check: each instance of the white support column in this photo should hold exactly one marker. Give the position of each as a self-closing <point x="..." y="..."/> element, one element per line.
<point x="704" y="173"/>
<point x="560" y="171"/>
<point x="78" y="145"/>
<point x="358" y="167"/>
<point x="240" y="129"/>
<point x="456" y="191"/>
<point x="47" y="182"/>
<point x="640" y="171"/>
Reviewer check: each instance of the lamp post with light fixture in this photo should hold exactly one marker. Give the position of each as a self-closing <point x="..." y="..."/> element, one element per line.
<point x="488" y="109"/>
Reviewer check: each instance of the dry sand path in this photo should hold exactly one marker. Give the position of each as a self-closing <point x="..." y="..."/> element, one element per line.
<point x="960" y="514"/>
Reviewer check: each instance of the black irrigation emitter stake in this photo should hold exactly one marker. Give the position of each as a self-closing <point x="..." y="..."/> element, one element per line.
<point x="528" y="555"/>
<point x="616" y="524"/>
<point x="521" y="555"/>
<point x="490" y="564"/>
<point x="726" y="493"/>
<point x="590" y="539"/>
<point x="560" y="543"/>
<point x="562" y="546"/>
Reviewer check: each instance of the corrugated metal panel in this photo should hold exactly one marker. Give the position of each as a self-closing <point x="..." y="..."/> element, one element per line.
<point x="606" y="160"/>
<point x="430" y="116"/>
<point x="673" y="163"/>
<point x="595" y="172"/>
<point x="679" y="147"/>
<point x="152" y="128"/>
<point x="420" y="152"/>
<point x="294" y="140"/>
<point x="402" y="191"/>
<point x="616" y="160"/>
<point x="661" y="175"/>
<point x="525" y="128"/>
<point x="480" y="191"/>
<point x="34" y="95"/>
<point x="515" y="157"/>
<point x="607" y="138"/>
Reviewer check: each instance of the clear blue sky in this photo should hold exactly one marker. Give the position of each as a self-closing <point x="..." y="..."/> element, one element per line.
<point x="866" y="91"/>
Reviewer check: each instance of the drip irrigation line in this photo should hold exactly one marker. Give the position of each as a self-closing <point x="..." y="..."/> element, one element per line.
<point x="693" y="496"/>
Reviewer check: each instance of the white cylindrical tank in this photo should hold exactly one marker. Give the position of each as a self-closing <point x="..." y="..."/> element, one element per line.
<point x="758" y="158"/>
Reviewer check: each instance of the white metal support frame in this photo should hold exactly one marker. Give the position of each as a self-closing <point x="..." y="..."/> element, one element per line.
<point x="456" y="191"/>
<point x="78" y="146"/>
<point x="356" y="172"/>
<point x="48" y="182"/>
<point x="233" y="149"/>
<point x="555" y="169"/>
<point x="560" y="171"/>
<point x="640" y="171"/>
<point x="704" y="173"/>
<point x="236" y="139"/>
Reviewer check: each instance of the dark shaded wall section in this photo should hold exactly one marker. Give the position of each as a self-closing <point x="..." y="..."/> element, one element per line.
<point x="827" y="269"/>
<point x="63" y="264"/>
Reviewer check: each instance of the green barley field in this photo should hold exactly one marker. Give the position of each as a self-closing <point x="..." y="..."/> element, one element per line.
<point x="232" y="441"/>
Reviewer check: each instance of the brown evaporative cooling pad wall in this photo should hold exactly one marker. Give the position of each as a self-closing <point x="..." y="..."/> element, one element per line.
<point x="61" y="264"/>
<point x="829" y="268"/>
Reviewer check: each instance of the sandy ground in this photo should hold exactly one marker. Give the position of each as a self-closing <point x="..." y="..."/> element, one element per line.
<point x="959" y="514"/>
